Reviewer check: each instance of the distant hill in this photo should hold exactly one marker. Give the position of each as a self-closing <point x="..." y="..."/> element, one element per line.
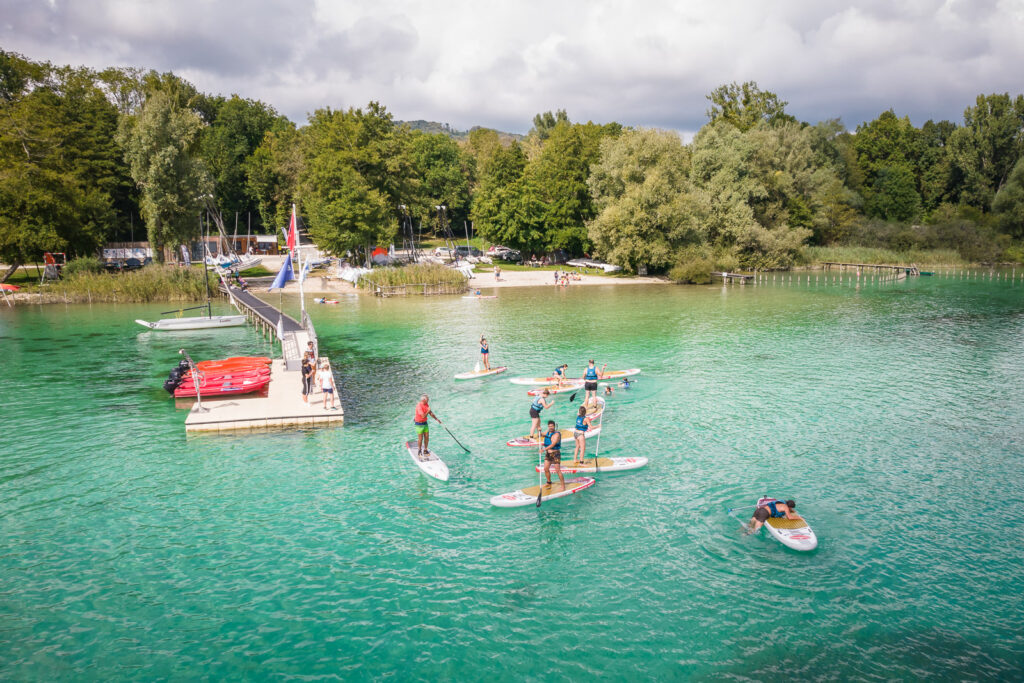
<point x="445" y="129"/>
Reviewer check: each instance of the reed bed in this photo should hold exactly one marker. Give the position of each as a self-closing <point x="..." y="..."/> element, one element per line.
<point x="150" y="284"/>
<point x="873" y="255"/>
<point x="415" y="278"/>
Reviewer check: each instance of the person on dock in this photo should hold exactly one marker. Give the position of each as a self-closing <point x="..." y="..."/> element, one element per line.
<point x="308" y="373"/>
<point x="590" y="377"/>
<point x="423" y="411"/>
<point x="311" y="350"/>
<point x="772" y="508"/>
<point x="327" y="385"/>
<point x="560" y="373"/>
<point x="553" y="453"/>
<point x="580" y="435"/>
<point x="485" y="353"/>
<point x="539" y="404"/>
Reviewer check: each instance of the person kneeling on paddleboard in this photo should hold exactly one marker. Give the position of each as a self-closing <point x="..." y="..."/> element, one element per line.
<point x="538" y="405"/>
<point x="485" y="353"/>
<point x="580" y="435"/>
<point x="560" y="373"/>
<point x="772" y="508"/>
<point x="422" y="430"/>
<point x="553" y="453"/>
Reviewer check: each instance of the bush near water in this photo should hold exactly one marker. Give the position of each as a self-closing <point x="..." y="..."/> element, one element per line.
<point x="431" y="274"/>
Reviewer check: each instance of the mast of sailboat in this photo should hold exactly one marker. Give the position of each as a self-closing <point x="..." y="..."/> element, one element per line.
<point x="206" y="268"/>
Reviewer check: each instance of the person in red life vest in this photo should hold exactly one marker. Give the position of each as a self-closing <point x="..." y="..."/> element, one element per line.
<point x="422" y="430"/>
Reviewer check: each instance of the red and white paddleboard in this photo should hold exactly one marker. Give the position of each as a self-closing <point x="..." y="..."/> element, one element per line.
<point x="792" y="533"/>
<point x="604" y="465"/>
<point x="567" y="438"/>
<point x="528" y="496"/>
<point x="555" y="389"/>
<point x="608" y="374"/>
<point x="481" y="373"/>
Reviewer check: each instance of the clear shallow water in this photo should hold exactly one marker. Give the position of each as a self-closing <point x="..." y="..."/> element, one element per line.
<point x="891" y="413"/>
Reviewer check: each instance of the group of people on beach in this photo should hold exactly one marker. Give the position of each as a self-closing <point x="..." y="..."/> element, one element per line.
<point x="562" y="278"/>
<point x="314" y="373"/>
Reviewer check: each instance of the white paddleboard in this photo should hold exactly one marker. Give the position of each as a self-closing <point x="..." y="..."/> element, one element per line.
<point x="568" y="440"/>
<point x="482" y="373"/>
<point x="528" y="496"/>
<point x="609" y="374"/>
<point x="605" y="465"/>
<point x="431" y="465"/>
<point x="792" y="533"/>
<point x="482" y="296"/>
<point x="555" y="389"/>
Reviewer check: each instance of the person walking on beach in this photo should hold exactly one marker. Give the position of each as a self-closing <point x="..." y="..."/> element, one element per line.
<point x="485" y="353"/>
<point x="327" y="385"/>
<point x="538" y="405"/>
<point x="590" y="378"/>
<point x="497" y="273"/>
<point x="423" y="411"/>
<point x="553" y="453"/>
<point x="580" y="434"/>
<point x="308" y="372"/>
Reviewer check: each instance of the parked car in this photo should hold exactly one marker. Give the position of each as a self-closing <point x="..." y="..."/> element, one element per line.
<point x="444" y="252"/>
<point x="464" y="251"/>
<point x="135" y="264"/>
<point x="495" y="248"/>
<point x="510" y="255"/>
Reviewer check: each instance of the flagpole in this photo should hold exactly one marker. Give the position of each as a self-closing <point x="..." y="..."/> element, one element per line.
<point x="302" y="274"/>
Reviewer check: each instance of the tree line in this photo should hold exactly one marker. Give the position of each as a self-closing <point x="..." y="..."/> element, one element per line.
<point x="83" y="150"/>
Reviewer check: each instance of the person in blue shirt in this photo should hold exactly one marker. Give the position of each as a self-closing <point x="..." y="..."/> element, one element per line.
<point x="772" y="508"/>
<point x="553" y="453"/>
<point x="579" y="433"/>
<point x="560" y="373"/>
<point x="590" y="377"/>
<point x="539" y="404"/>
<point x="485" y="353"/>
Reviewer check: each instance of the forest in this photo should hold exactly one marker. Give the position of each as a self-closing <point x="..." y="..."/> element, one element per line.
<point x="86" y="156"/>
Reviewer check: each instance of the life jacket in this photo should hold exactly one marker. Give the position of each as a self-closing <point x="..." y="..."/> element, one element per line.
<point x="538" y="404"/>
<point x="581" y="423"/>
<point x="775" y="511"/>
<point x="547" y="440"/>
<point x="591" y="374"/>
<point x="421" y="413"/>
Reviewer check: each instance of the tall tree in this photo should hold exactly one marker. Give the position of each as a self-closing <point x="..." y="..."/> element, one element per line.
<point x="544" y="123"/>
<point x="744" y="106"/>
<point x="443" y="170"/>
<point x="1009" y="202"/>
<point x="272" y="175"/>
<point x="985" y="149"/>
<point x="161" y="148"/>
<point x="507" y="208"/>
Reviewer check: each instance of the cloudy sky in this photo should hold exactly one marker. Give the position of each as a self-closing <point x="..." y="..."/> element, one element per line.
<point x="473" y="62"/>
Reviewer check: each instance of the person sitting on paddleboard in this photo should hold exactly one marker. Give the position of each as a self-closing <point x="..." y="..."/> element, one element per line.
<point x="538" y="405"/>
<point x="772" y="508"/>
<point x="560" y="373"/>
<point x="422" y="430"/>
<point x="580" y="434"/>
<point x="553" y="453"/>
<point x="485" y="353"/>
<point x="590" y="378"/>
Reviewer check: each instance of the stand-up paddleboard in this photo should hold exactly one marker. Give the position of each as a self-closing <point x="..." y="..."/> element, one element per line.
<point x="604" y="465"/>
<point x="567" y="438"/>
<point x="555" y="389"/>
<point x="792" y="533"/>
<point x="481" y="373"/>
<point x="528" y="496"/>
<point x="431" y="465"/>
<point x="608" y="374"/>
<point x="481" y="296"/>
<point x="596" y="410"/>
<point x="325" y="301"/>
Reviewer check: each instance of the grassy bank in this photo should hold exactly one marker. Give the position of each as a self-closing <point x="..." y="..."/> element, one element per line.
<point x="149" y="284"/>
<point x="922" y="257"/>
<point x="431" y="275"/>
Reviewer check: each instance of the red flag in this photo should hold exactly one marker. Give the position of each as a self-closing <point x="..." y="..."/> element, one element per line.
<point x="292" y="232"/>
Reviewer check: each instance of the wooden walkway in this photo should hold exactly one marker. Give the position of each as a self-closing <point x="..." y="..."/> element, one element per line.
<point x="873" y="267"/>
<point x="733" y="277"/>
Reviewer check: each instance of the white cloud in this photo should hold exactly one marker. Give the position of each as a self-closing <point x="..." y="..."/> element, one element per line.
<point x="473" y="63"/>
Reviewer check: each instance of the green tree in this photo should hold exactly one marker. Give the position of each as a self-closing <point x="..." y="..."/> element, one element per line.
<point x="559" y="175"/>
<point x="443" y="170"/>
<point x="985" y="149"/>
<point x="545" y="122"/>
<point x="894" y="195"/>
<point x="1009" y="202"/>
<point x="642" y="196"/>
<point x="59" y="166"/>
<point x="272" y="174"/>
<point x="746" y="105"/>
<point x="482" y="145"/>
<point x="161" y="145"/>
<point x="507" y="208"/>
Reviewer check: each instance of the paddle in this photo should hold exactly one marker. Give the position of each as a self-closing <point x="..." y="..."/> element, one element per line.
<point x="540" y="471"/>
<point x="452" y="435"/>
<point x="597" y="454"/>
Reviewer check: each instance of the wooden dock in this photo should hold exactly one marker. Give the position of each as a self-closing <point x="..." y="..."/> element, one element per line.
<point x="733" y="277"/>
<point x="281" y="406"/>
<point x="896" y="271"/>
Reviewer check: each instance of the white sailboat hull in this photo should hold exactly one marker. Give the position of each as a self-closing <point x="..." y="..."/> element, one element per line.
<point x="194" y="323"/>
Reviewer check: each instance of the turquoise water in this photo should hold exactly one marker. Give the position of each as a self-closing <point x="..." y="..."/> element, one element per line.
<point x="893" y="414"/>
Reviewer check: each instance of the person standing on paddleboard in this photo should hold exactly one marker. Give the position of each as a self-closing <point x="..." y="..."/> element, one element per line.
<point x="538" y="405"/>
<point x="590" y="378"/>
<point x="422" y="430"/>
<point x="772" y="508"/>
<point x="485" y="353"/>
<point x="553" y="453"/>
<point x="580" y="435"/>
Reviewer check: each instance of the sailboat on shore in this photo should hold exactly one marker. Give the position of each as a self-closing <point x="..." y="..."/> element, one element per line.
<point x="196" y="322"/>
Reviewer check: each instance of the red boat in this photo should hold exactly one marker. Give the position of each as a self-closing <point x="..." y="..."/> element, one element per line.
<point x="225" y="388"/>
<point x="234" y="363"/>
<point x="220" y="375"/>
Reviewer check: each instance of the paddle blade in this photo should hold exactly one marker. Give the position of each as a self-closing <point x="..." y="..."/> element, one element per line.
<point x="573" y="397"/>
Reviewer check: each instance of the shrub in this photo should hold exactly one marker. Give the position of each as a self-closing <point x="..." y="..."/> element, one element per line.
<point x="696" y="272"/>
<point x="82" y="264"/>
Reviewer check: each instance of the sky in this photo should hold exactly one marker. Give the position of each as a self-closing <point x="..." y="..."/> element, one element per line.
<point x="496" y="64"/>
